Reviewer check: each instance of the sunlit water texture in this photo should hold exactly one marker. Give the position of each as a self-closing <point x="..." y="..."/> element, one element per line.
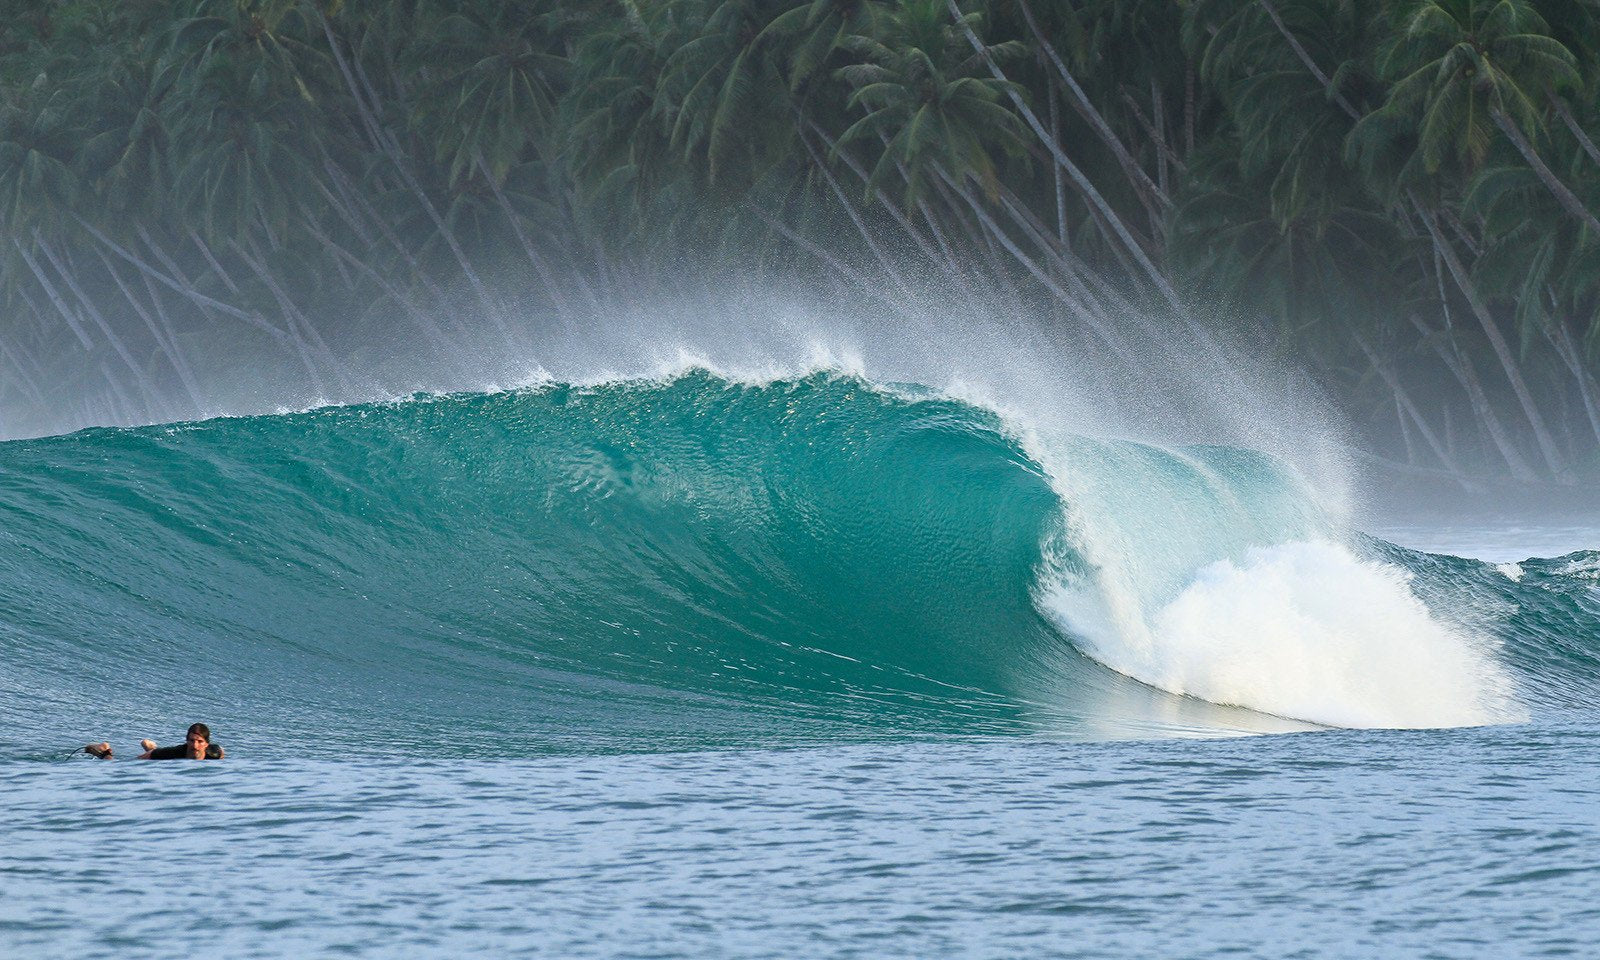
<point x="1472" y="843"/>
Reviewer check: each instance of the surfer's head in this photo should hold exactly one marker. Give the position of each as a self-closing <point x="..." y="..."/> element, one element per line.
<point x="197" y="740"/>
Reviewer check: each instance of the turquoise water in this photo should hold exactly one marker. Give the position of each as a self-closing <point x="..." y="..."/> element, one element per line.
<point x="813" y="667"/>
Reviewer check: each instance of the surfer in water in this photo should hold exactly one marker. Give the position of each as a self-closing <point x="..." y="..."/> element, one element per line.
<point x="196" y="745"/>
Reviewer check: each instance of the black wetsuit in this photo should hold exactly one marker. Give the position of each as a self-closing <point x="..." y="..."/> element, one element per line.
<point x="181" y="752"/>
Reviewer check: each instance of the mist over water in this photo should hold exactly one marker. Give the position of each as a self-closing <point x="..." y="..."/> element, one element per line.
<point x="1157" y="382"/>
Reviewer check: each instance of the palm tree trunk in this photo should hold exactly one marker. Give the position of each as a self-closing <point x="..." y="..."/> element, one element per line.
<point x="1578" y="132"/>
<point x="30" y="385"/>
<point x="334" y="192"/>
<point x="1097" y="291"/>
<point x="39" y="324"/>
<point x="1002" y="286"/>
<point x="495" y="314"/>
<point x="1155" y="130"/>
<point x="1403" y="401"/>
<point x="289" y="337"/>
<point x="894" y="212"/>
<point x="1149" y="192"/>
<point x="1461" y="367"/>
<point x="122" y="406"/>
<point x="292" y="313"/>
<point x="1091" y="292"/>
<point x="294" y="339"/>
<point x="1043" y="276"/>
<point x="563" y="196"/>
<point x="1110" y="215"/>
<point x="540" y="266"/>
<point x="1568" y="200"/>
<point x="153" y="294"/>
<point x="54" y="295"/>
<point x="368" y="121"/>
<point x="855" y="218"/>
<point x="167" y="347"/>
<point x="943" y="256"/>
<point x="68" y="271"/>
<point x="976" y="237"/>
<point x="211" y="259"/>
<point x="445" y="347"/>
<point x="38" y="313"/>
<point x="1188" y="109"/>
<point x="946" y="249"/>
<point x="1561" y="339"/>
<point x="391" y="148"/>
<point x="838" y="268"/>
<point x="364" y="208"/>
<point x="1405" y="433"/>
<point x="1055" y="169"/>
<point x="183" y="288"/>
<point x="1310" y="64"/>
<point x="1158" y="133"/>
<point x="1473" y="245"/>
<point x="1502" y="351"/>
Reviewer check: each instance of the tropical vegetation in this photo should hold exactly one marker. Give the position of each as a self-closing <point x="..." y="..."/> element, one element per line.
<point x="1399" y="197"/>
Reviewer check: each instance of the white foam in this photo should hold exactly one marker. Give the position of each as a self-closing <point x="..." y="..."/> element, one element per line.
<point x="1587" y="568"/>
<point x="1304" y="630"/>
<point x="1511" y="571"/>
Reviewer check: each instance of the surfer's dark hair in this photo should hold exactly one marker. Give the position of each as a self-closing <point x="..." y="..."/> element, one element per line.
<point x="201" y="729"/>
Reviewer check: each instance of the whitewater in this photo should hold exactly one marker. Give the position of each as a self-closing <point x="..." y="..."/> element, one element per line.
<point x="714" y="658"/>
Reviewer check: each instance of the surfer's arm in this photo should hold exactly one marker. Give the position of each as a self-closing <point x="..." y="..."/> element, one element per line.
<point x="177" y="751"/>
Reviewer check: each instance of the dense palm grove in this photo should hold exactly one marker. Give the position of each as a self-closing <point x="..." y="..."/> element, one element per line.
<point x="1401" y="197"/>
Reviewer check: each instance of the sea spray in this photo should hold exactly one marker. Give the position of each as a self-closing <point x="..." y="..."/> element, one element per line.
<point x="1218" y="573"/>
<point x="1305" y="630"/>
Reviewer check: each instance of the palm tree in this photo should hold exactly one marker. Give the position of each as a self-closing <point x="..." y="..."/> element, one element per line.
<point x="1318" y="265"/>
<point x="493" y="72"/>
<point x="612" y="143"/>
<point x="1150" y="192"/>
<point x="1468" y="67"/>
<point x="808" y="36"/>
<point x="720" y="90"/>
<point x="1538" y="261"/>
<point x="37" y="144"/>
<point x="239" y="114"/>
<point x="924" y="96"/>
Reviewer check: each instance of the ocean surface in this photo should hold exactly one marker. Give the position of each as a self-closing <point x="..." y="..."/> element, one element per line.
<point x="691" y="666"/>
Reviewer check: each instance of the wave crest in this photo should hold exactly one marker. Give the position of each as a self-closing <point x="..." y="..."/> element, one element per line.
<point x="696" y="553"/>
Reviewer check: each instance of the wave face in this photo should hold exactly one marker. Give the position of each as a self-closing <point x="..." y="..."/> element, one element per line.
<point x="683" y="561"/>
